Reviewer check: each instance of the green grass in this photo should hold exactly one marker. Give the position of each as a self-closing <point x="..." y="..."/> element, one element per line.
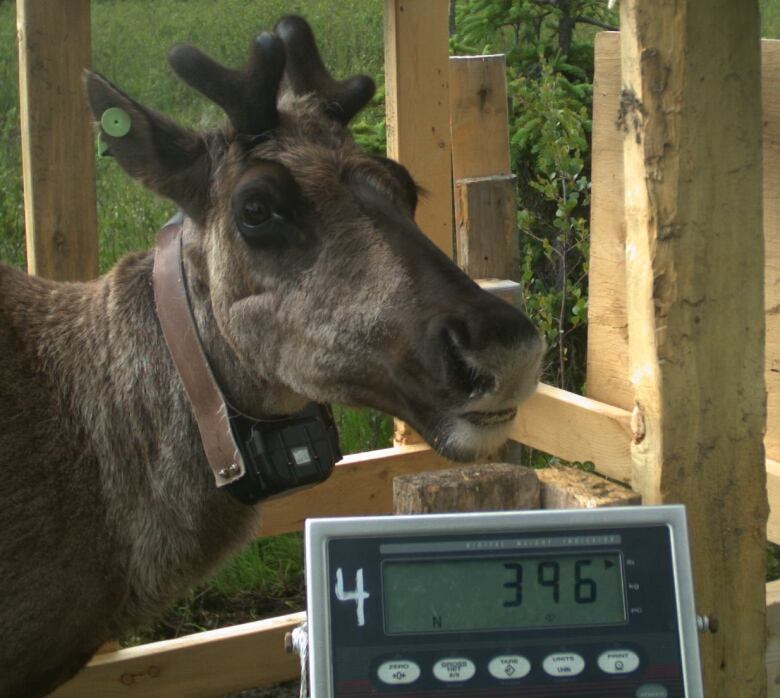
<point x="130" y="40"/>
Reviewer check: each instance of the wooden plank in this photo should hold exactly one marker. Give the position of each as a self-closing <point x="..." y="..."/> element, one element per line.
<point x="577" y="428"/>
<point x="773" y="639"/>
<point x="770" y="67"/>
<point x="696" y="340"/>
<point x="360" y="486"/>
<point x="479" y="116"/>
<point x="196" y="666"/>
<point x="607" y="320"/>
<point x="417" y="104"/>
<point x="58" y="158"/>
<point x="485" y="224"/>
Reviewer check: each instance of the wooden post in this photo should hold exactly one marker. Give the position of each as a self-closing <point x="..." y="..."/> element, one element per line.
<point x="485" y="198"/>
<point x="57" y="142"/>
<point x="417" y="99"/>
<point x="479" y="118"/>
<point x="691" y="110"/>
<point x="485" y="487"/>
<point x="485" y="224"/>
<point x="418" y="118"/>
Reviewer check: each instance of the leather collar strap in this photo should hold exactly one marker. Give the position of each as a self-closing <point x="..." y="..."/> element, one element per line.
<point x="181" y="335"/>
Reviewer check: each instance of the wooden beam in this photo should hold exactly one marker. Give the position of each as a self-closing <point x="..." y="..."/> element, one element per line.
<point x="607" y="318"/>
<point x="361" y="485"/>
<point x="58" y="153"/>
<point x="196" y="666"/>
<point x="695" y="272"/>
<point x="479" y="116"/>
<point x="417" y="104"/>
<point x="577" y="428"/>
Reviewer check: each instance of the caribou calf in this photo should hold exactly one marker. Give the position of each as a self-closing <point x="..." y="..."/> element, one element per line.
<point x="308" y="280"/>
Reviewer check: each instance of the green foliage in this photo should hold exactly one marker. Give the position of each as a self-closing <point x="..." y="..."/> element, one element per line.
<point x="549" y="53"/>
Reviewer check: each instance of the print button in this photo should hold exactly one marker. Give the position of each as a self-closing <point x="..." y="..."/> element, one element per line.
<point x="398" y="671"/>
<point x="563" y="664"/>
<point x="454" y="669"/>
<point x="618" y="661"/>
<point x="509" y="666"/>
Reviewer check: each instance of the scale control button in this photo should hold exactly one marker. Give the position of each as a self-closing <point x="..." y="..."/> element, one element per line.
<point x="652" y="690"/>
<point x="618" y="661"/>
<point x="454" y="669"/>
<point x="398" y="671"/>
<point x="509" y="666"/>
<point x="563" y="664"/>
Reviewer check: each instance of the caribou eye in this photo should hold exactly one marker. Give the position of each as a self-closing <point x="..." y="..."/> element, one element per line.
<point x="253" y="213"/>
<point x="264" y="206"/>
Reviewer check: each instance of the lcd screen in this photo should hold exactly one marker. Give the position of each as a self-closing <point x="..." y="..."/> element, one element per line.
<point x="458" y="594"/>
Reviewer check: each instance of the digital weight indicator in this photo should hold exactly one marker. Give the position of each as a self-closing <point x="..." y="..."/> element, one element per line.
<point x="587" y="603"/>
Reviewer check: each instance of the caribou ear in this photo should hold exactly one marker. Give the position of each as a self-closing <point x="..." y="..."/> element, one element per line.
<point x="165" y="157"/>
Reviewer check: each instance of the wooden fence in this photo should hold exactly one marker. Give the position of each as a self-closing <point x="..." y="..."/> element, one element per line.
<point x="674" y="413"/>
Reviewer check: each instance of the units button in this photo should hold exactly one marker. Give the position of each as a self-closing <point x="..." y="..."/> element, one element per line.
<point x="618" y="661"/>
<point x="398" y="671"/>
<point x="454" y="669"/>
<point x="563" y="664"/>
<point x="509" y="666"/>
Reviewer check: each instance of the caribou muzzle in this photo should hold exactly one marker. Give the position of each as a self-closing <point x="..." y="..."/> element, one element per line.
<point x="486" y="358"/>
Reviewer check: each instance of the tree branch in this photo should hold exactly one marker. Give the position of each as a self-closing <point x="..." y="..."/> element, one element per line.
<point x="595" y="22"/>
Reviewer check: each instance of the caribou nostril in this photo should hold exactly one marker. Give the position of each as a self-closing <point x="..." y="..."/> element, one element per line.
<point x="454" y="338"/>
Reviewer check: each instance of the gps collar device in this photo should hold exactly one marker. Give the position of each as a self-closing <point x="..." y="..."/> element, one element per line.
<point x="252" y="459"/>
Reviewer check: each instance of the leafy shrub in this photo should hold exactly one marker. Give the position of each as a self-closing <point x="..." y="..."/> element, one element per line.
<point x="549" y="73"/>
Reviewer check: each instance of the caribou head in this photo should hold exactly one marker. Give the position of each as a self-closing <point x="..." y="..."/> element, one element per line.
<point x="308" y="277"/>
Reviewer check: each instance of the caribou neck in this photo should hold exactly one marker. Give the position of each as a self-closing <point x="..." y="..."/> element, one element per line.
<point x="103" y="339"/>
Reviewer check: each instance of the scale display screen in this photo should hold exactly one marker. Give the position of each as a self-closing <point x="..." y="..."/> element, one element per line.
<point x="502" y="593"/>
<point x="586" y="604"/>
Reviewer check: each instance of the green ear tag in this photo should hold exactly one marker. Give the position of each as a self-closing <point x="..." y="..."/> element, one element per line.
<point x="115" y="122"/>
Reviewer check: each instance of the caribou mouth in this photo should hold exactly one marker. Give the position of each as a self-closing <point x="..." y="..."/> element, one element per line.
<point x="489" y="419"/>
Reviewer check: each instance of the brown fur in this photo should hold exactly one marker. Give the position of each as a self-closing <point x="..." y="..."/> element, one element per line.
<point x="108" y="511"/>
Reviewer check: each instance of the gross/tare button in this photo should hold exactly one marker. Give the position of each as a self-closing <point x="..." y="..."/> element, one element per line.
<point x="618" y="661"/>
<point x="509" y="666"/>
<point x="398" y="671"/>
<point x="563" y="664"/>
<point x="454" y="669"/>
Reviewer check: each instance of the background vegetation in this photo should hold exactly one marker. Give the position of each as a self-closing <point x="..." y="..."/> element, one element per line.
<point x="549" y="48"/>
